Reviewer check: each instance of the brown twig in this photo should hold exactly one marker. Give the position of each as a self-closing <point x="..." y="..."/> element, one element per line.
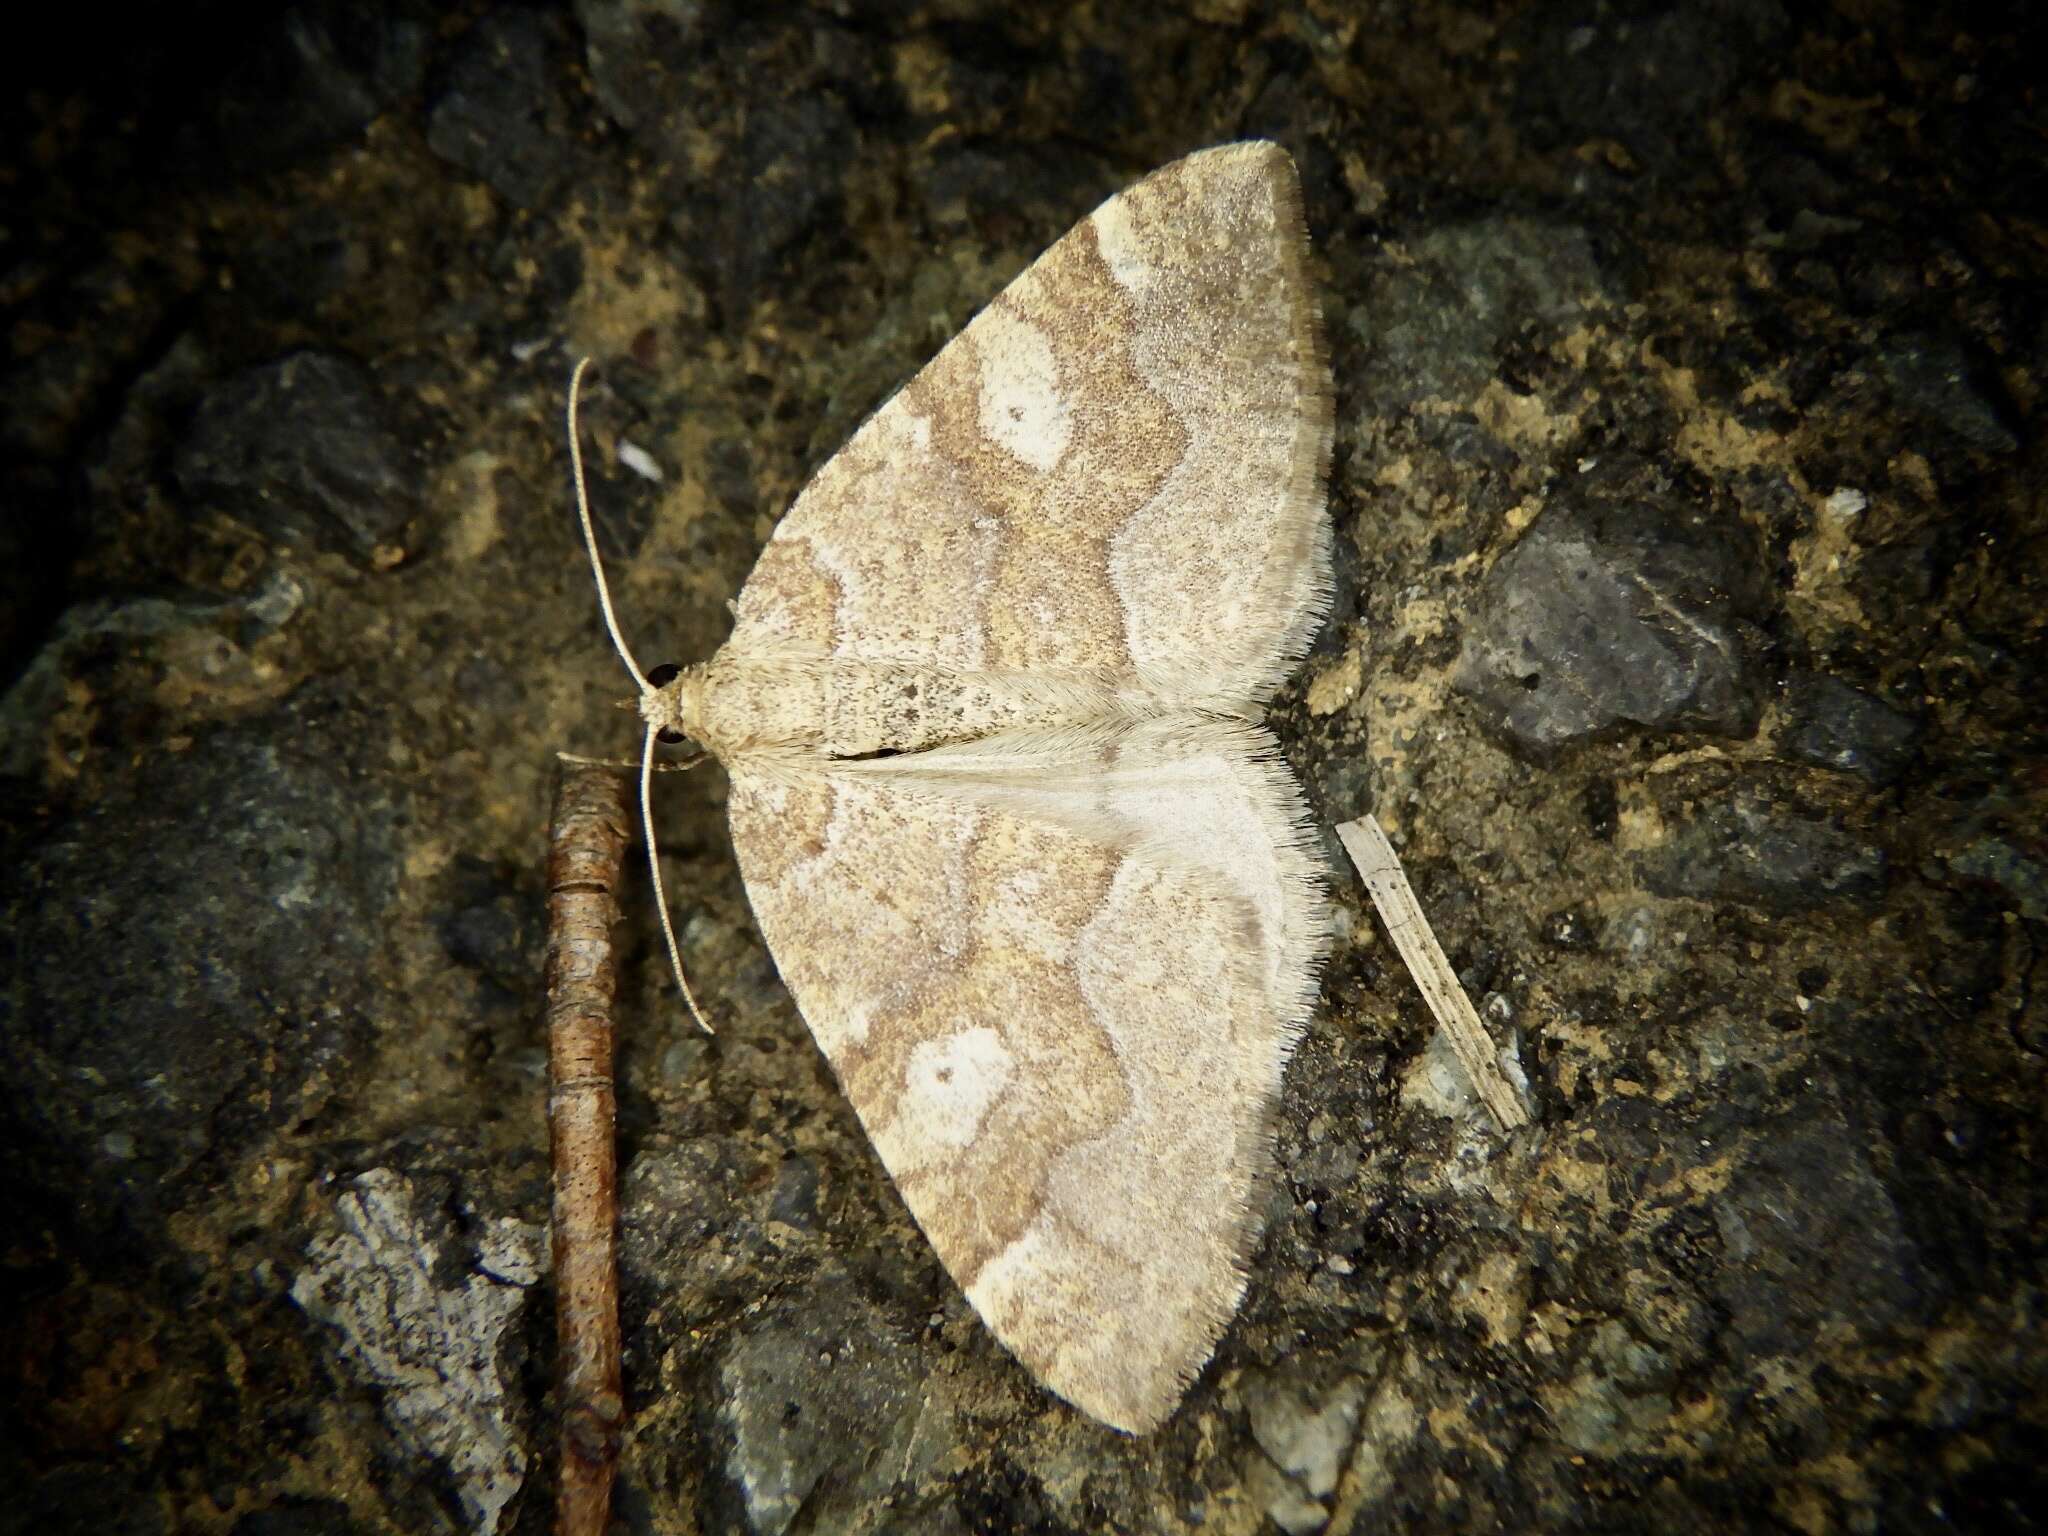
<point x="586" y="844"/>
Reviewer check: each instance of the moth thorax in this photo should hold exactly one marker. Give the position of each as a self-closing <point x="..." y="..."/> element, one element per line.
<point x="674" y="705"/>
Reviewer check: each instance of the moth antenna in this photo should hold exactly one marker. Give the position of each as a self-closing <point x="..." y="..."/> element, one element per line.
<point x="668" y="928"/>
<point x="611" y="624"/>
<point x="604" y="591"/>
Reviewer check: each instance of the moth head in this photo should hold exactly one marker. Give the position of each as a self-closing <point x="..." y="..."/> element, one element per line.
<point x="672" y="703"/>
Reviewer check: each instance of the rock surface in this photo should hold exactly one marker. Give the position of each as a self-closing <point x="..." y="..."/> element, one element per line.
<point x="302" y="451"/>
<point x="1689" y="385"/>
<point x="1615" y="612"/>
<point x="427" y="1325"/>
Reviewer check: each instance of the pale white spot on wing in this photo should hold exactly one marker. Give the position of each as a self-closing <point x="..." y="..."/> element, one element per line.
<point x="951" y="1082"/>
<point x="843" y="1031"/>
<point x="1021" y="404"/>
<point x="1016" y="1274"/>
<point x="1116" y="238"/>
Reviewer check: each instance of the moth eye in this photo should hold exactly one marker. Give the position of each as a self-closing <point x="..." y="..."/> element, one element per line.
<point x="668" y="736"/>
<point x="663" y="675"/>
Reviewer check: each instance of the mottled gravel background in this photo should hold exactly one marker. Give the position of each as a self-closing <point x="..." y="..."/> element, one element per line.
<point x="1690" y="496"/>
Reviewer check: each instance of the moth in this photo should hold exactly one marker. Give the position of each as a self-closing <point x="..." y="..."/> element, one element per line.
<point x="1033" y="870"/>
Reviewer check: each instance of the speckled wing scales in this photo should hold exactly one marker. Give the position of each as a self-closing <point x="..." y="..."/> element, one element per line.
<point x="1078" y="961"/>
<point x="1037" y="882"/>
<point x="1116" y="469"/>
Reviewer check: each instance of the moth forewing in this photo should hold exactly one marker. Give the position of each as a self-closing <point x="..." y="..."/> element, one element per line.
<point x="1039" y="886"/>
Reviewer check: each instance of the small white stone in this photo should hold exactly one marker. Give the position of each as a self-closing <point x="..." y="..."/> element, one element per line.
<point x="640" y="461"/>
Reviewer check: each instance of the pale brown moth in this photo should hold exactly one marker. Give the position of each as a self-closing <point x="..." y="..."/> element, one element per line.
<point x="1032" y="868"/>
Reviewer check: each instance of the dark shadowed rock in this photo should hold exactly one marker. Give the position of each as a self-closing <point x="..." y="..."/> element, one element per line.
<point x="1809" y="1236"/>
<point x="304" y="451"/>
<point x="1833" y="725"/>
<point x="795" y="1199"/>
<point x="782" y="183"/>
<point x="1759" y="845"/>
<point x="1938" y="384"/>
<point x="668" y="76"/>
<point x="300" y="1517"/>
<point x="685" y="1221"/>
<point x="42" y="732"/>
<point x="493" y="926"/>
<point x="312" y="76"/>
<point x="818" y="1402"/>
<point x="1433" y="324"/>
<point x="32" y="724"/>
<point x="503" y="114"/>
<point x="1651" y="78"/>
<point x="2021" y="878"/>
<point x="80" y="1499"/>
<point x="989" y="189"/>
<point x="188" y="967"/>
<point x="1610" y="614"/>
<point x="632" y="48"/>
<point x="36" y="547"/>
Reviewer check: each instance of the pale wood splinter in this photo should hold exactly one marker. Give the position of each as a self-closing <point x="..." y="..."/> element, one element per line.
<point x="1380" y="868"/>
